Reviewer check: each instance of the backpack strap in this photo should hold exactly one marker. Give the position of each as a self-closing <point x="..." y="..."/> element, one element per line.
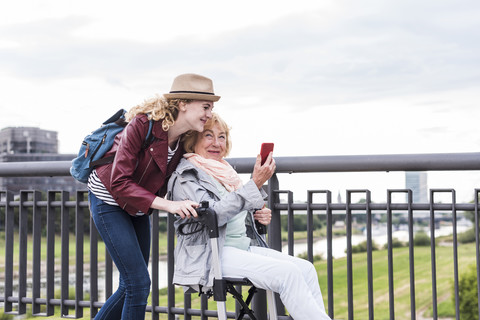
<point x="101" y="161"/>
<point x="149" y="139"/>
<point x="121" y="122"/>
<point x="118" y="118"/>
<point x="146" y="143"/>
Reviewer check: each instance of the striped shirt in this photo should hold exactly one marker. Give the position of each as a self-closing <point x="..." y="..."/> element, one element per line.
<point x="96" y="186"/>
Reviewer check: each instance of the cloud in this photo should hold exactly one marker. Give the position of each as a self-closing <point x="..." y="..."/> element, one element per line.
<point x="356" y="57"/>
<point x="434" y="130"/>
<point x="363" y="52"/>
<point x="346" y="71"/>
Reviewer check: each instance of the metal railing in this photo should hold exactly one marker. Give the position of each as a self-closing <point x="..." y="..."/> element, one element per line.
<point x="37" y="212"/>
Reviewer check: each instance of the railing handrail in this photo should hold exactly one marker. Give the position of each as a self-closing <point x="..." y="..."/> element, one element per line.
<point x="340" y="163"/>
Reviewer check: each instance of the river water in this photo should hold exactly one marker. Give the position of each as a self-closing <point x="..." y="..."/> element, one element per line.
<point x="379" y="236"/>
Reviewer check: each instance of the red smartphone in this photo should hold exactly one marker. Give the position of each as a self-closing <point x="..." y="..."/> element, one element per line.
<point x="265" y="150"/>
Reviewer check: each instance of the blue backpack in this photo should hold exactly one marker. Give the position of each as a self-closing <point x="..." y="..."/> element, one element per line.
<point x="99" y="142"/>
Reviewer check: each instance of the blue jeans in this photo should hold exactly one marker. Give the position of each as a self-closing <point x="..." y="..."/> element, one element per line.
<point x="127" y="240"/>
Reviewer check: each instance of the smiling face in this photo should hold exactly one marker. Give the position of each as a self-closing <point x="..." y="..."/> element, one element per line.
<point x="196" y="114"/>
<point x="212" y="143"/>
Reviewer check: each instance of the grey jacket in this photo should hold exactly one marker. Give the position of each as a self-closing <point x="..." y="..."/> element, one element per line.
<point x="193" y="253"/>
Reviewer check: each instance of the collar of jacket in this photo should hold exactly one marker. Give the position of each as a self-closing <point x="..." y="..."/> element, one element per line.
<point x="161" y="138"/>
<point x="188" y="171"/>
<point x="158" y="132"/>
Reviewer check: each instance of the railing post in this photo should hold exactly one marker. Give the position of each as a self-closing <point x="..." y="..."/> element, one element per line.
<point x="329" y="223"/>
<point x="290" y="224"/>
<point x="369" y="254"/>
<point x="50" y="253"/>
<point x="348" y="225"/>
<point x="79" y="236"/>
<point x="203" y="307"/>
<point x="22" y="268"/>
<point x="108" y="275"/>
<point x="275" y="228"/>
<point x="390" y="255"/>
<point x="65" y="251"/>
<point x="93" y="268"/>
<point x="411" y="253"/>
<point x="9" y="218"/>
<point x="170" y="266"/>
<point x="455" y="255"/>
<point x="187" y="299"/>
<point x="433" y="255"/>
<point x="310" y="194"/>
<point x="368" y="214"/>
<point x="259" y="304"/>
<point x="330" y="254"/>
<point x="37" y="238"/>
<point x="154" y="256"/>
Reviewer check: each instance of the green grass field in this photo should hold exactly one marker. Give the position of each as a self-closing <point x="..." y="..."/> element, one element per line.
<point x="423" y="282"/>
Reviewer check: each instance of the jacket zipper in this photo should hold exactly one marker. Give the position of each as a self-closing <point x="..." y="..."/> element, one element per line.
<point x="145" y="171"/>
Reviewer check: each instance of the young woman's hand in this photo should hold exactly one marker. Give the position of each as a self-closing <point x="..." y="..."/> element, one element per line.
<point x="185" y="208"/>
<point x="261" y="173"/>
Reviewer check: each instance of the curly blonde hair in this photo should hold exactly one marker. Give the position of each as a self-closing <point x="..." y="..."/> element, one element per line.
<point x="158" y="108"/>
<point x="191" y="137"/>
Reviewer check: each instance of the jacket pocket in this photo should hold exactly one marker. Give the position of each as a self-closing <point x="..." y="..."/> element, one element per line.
<point x="194" y="260"/>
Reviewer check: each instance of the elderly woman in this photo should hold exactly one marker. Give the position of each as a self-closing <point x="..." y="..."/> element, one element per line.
<point x="204" y="175"/>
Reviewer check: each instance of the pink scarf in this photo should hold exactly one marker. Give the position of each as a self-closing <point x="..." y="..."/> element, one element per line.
<point x="221" y="170"/>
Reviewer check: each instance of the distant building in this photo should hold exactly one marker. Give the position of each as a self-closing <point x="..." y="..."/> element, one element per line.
<point x="22" y="144"/>
<point x="27" y="140"/>
<point x="417" y="182"/>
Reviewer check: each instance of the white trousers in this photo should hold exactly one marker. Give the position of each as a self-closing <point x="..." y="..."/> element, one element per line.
<point x="294" y="279"/>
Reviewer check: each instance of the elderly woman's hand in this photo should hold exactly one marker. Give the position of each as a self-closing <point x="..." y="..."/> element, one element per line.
<point x="261" y="173"/>
<point x="264" y="216"/>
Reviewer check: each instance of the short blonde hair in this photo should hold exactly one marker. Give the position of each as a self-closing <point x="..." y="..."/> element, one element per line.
<point x="158" y="108"/>
<point x="191" y="137"/>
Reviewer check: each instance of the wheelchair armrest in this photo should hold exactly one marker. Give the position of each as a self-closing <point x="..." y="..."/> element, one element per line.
<point x="238" y="281"/>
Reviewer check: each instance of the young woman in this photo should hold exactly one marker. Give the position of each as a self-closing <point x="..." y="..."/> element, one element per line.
<point x="123" y="193"/>
<point x="204" y="175"/>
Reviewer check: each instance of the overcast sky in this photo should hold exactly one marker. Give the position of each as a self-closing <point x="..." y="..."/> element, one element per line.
<point x="315" y="77"/>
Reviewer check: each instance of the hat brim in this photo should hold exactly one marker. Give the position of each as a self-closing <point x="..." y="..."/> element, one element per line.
<point x="192" y="96"/>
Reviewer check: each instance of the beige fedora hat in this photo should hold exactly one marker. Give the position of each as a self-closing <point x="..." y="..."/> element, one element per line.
<point x="192" y="86"/>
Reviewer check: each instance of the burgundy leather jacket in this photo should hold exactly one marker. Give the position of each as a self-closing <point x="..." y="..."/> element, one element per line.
<point x="137" y="174"/>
